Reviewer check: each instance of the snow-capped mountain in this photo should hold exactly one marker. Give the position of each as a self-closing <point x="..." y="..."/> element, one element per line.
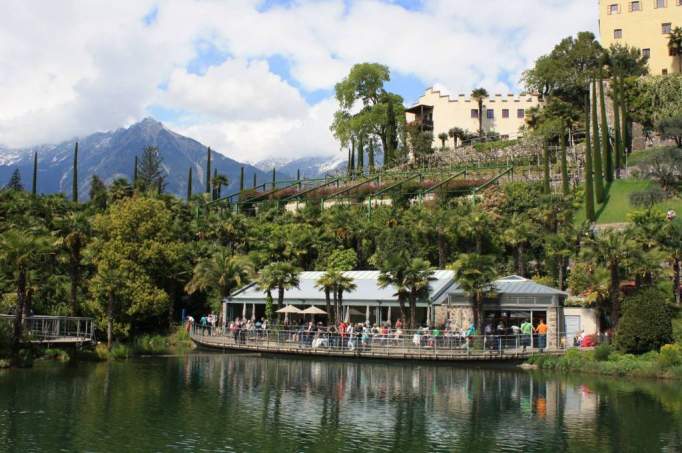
<point x="309" y="167"/>
<point x="111" y="155"/>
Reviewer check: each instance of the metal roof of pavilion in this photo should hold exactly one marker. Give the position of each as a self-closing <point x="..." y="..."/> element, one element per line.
<point x="367" y="289"/>
<point x="516" y="285"/>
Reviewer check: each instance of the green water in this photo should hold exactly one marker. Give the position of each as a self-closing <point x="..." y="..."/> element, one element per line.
<point x="214" y="402"/>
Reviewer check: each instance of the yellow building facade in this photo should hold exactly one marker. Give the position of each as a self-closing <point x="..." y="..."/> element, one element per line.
<point x="504" y="114"/>
<point x="645" y="24"/>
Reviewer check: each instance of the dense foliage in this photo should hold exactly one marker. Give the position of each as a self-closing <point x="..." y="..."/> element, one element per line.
<point x="646" y="323"/>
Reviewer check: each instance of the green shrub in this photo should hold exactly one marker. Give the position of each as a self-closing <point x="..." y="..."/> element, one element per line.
<point x="602" y="352"/>
<point x="119" y="352"/>
<point x="102" y="351"/>
<point x="670" y="355"/>
<point x="646" y="322"/>
<point x="648" y="197"/>
<point x="56" y="354"/>
<point x="493" y="145"/>
<point x="4" y="363"/>
<point x="25" y="358"/>
<point x="151" y="344"/>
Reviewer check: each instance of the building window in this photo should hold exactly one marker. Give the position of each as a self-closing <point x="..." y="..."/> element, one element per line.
<point x="520" y="113"/>
<point x="505" y="113"/>
<point x="646" y="53"/>
<point x="490" y="114"/>
<point x="474" y="113"/>
<point x="664" y="72"/>
<point x="661" y="3"/>
<point x="667" y="28"/>
<point x="614" y="8"/>
<point x="636" y="6"/>
<point x="617" y="33"/>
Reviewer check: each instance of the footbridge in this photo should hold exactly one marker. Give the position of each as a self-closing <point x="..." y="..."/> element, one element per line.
<point x="64" y="330"/>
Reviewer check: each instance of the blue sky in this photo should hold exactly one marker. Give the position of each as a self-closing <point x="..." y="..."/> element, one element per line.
<point x="254" y="78"/>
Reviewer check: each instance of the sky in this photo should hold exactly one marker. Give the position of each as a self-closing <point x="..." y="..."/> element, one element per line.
<point x="253" y="79"/>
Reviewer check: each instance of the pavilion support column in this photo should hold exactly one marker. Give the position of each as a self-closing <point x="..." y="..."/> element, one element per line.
<point x="243" y="311"/>
<point x="389" y="315"/>
<point x="253" y="312"/>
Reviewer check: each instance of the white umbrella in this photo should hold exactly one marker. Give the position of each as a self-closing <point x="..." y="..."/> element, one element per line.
<point x="290" y="309"/>
<point x="313" y="311"/>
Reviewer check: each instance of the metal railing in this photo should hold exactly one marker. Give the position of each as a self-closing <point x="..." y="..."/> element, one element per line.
<point x="56" y="329"/>
<point x="392" y="342"/>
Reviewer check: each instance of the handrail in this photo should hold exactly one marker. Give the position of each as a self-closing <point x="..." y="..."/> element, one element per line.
<point x="267" y="194"/>
<point x="440" y="184"/>
<point x="399" y="183"/>
<point x="354" y="186"/>
<point x="493" y="180"/>
<point x="297" y="195"/>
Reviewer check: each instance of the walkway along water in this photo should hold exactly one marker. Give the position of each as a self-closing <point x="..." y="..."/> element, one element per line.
<point x="404" y="345"/>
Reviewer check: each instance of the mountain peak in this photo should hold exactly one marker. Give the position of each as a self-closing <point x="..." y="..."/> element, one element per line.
<point x="149" y="125"/>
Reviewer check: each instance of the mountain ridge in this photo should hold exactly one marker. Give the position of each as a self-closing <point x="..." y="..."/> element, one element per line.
<point x="111" y="155"/>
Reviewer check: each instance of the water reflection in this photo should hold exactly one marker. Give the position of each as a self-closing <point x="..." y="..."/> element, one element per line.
<point x="247" y="403"/>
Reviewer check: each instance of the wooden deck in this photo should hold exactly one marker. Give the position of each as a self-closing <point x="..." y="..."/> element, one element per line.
<point x="225" y="343"/>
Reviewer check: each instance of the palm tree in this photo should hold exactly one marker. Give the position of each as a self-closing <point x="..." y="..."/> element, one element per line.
<point x="326" y="283"/>
<point x="443" y="137"/>
<point x="279" y="275"/>
<point x="416" y="280"/>
<point x="517" y="236"/>
<point x="394" y="276"/>
<point x="342" y="284"/>
<point x="221" y="272"/>
<point x="675" y="45"/>
<point x="267" y="283"/>
<point x="611" y="249"/>
<point x="218" y="182"/>
<point x="475" y="274"/>
<point x="21" y="252"/>
<point x="73" y="231"/>
<point x="479" y="94"/>
<point x="456" y="134"/>
<point x="477" y="226"/>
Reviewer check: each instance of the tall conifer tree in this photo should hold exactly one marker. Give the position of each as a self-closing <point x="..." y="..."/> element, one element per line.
<point x="596" y="154"/>
<point x="135" y="167"/>
<point x="605" y="147"/>
<point x="34" y="185"/>
<point x="74" y="186"/>
<point x="241" y="179"/>
<point x="189" y="184"/>
<point x="565" y="184"/>
<point x="546" y="184"/>
<point x="617" y="121"/>
<point x="208" y="171"/>
<point x="589" y="183"/>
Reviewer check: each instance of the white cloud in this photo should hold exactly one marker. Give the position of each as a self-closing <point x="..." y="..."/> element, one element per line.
<point x="73" y="67"/>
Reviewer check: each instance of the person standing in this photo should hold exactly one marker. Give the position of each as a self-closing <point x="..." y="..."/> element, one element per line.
<point x="541" y="330"/>
<point x="526" y="333"/>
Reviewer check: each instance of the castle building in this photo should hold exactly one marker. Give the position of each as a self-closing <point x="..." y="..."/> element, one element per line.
<point x="645" y="24"/>
<point x="503" y="114"/>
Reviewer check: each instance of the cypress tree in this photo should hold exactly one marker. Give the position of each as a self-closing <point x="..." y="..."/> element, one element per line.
<point x="189" y="184"/>
<point x="74" y="187"/>
<point x="596" y="155"/>
<point x="370" y="156"/>
<point x="208" y="171"/>
<point x="605" y="147"/>
<point x="298" y="174"/>
<point x="348" y="163"/>
<point x="565" y="184"/>
<point x="15" y="181"/>
<point x="352" y="157"/>
<point x="136" y="166"/>
<point x="254" y="180"/>
<point x="391" y="134"/>
<point x="361" y="156"/>
<point x="546" y="186"/>
<point x="34" y="185"/>
<point x="241" y="179"/>
<point x="617" y="122"/>
<point x="625" y="139"/>
<point x="215" y="187"/>
<point x="589" y="184"/>
<point x="274" y="178"/>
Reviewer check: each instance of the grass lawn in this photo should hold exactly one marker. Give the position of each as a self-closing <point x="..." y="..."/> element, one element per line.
<point x="617" y="204"/>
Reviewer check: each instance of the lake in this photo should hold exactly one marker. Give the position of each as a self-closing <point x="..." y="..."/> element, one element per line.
<point x="223" y="402"/>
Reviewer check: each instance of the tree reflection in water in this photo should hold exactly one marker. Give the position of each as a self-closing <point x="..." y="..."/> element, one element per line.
<point x="247" y="403"/>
